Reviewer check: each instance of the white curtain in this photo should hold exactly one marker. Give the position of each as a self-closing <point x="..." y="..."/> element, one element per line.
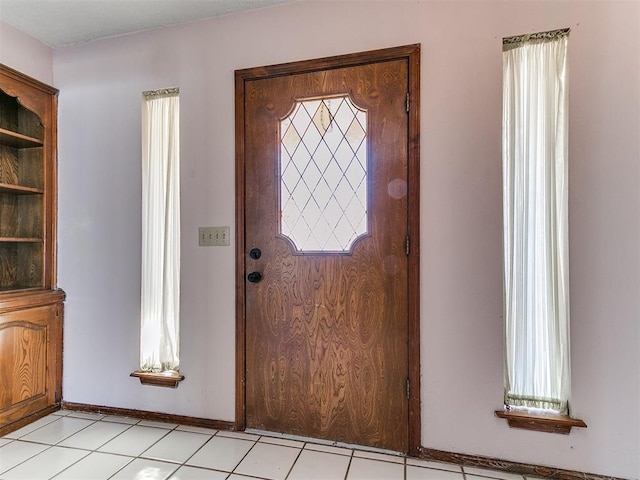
<point x="536" y="275"/>
<point x="160" y="293"/>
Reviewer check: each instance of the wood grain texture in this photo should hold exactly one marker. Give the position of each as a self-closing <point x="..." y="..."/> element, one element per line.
<point x="327" y="335"/>
<point x="19" y="190"/>
<point x="541" y="423"/>
<point x="20" y="264"/>
<point x="30" y="359"/>
<point x="18" y="140"/>
<point x="23" y="366"/>
<point x="21" y="166"/>
<point x="18" y="119"/>
<point x="28" y="163"/>
<point x="30" y="306"/>
<point x="9" y="165"/>
<point x="413" y="174"/>
<point x="158" y="379"/>
<point x="21" y="215"/>
<point x="31" y="167"/>
<point x="32" y="94"/>
<point x="27" y="419"/>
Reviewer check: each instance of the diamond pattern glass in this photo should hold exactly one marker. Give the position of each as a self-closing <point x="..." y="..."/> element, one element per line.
<point x="323" y="174"/>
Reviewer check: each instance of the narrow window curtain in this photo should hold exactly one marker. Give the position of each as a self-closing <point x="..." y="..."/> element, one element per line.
<point x="535" y="199"/>
<point x="160" y="292"/>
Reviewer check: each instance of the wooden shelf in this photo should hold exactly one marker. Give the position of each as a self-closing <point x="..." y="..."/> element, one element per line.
<point x="170" y="380"/>
<point x="20" y="240"/>
<point x="19" y="189"/>
<point x="19" y="289"/>
<point x="25" y="296"/>
<point x="17" y="140"/>
<point x="549" y="423"/>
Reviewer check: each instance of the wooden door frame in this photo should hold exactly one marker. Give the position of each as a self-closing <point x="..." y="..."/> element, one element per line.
<point x="411" y="53"/>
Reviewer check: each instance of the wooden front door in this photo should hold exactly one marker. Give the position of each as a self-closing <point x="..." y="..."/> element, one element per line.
<point x="325" y="269"/>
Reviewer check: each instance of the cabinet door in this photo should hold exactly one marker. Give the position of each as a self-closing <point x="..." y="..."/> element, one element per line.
<point x="30" y="361"/>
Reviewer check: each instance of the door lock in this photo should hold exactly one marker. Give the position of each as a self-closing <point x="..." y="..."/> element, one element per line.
<point x="254" y="277"/>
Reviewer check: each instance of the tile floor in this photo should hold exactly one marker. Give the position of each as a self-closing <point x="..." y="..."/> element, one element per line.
<point x="85" y="446"/>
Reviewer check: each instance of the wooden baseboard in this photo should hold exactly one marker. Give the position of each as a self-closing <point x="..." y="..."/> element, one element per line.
<point x="12" y="427"/>
<point x="462" y="459"/>
<point x="509" y="467"/>
<point x="155" y="416"/>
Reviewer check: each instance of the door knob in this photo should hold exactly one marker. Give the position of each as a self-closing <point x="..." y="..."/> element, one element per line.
<point x="254" y="277"/>
<point x="255" y="253"/>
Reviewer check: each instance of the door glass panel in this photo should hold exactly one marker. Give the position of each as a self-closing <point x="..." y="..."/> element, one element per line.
<point x="323" y="174"/>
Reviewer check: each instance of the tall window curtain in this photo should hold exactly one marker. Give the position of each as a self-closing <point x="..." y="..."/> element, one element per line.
<point x="160" y="293"/>
<point x="536" y="274"/>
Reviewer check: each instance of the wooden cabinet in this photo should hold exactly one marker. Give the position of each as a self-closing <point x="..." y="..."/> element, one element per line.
<point x="30" y="357"/>
<point x="30" y="304"/>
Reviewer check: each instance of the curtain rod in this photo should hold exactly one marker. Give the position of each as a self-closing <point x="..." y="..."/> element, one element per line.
<point x="536" y="36"/>
<point x="161" y="92"/>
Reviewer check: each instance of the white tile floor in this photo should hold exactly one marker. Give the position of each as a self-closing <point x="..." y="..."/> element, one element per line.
<point x="82" y="446"/>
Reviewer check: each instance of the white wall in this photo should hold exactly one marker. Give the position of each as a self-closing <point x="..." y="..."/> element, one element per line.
<point x="461" y="287"/>
<point x="25" y="54"/>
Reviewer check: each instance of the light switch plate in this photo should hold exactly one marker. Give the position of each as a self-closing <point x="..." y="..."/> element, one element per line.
<point x="213" y="236"/>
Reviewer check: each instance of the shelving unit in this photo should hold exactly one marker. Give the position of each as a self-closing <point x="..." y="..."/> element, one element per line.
<point x="31" y="306"/>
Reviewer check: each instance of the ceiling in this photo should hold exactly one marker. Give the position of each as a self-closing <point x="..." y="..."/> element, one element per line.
<point x="63" y="22"/>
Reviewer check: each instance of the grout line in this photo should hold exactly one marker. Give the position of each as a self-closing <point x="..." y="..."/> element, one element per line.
<point x="153" y="444"/>
<point x="346" y="474"/>
<point x="177" y="464"/>
<point x="294" y="462"/>
<point x="35" y="429"/>
<point x="26" y="459"/>
<point x="197" y="450"/>
<point x="113" y="438"/>
<point x="123" y="467"/>
<point x="83" y="428"/>
<point x="71" y="465"/>
<point x="244" y="456"/>
<point x="95" y="450"/>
